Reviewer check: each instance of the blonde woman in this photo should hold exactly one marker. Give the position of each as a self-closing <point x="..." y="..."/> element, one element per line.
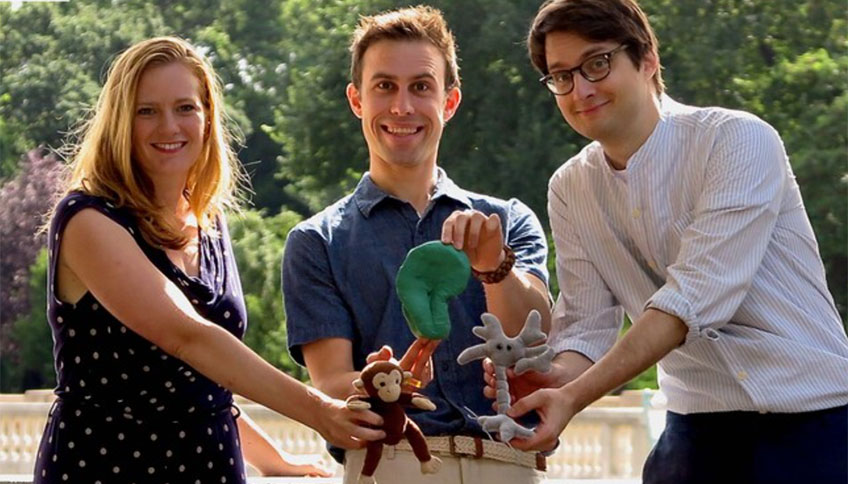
<point x="145" y="302"/>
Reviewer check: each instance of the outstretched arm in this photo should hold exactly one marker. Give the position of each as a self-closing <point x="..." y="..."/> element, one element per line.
<point x="161" y="313"/>
<point x="260" y="452"/>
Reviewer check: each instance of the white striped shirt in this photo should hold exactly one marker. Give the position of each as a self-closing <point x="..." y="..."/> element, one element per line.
<point x="706" y="223"/>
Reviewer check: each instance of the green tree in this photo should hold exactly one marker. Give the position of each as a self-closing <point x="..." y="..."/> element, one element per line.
<point x="258" y="244"/>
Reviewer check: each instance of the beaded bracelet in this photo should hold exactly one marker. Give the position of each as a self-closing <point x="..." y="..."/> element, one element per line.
<point x="499" y="274"/>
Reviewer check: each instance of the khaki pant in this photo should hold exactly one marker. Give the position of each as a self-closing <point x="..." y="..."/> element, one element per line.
<point x="401" y="467"/>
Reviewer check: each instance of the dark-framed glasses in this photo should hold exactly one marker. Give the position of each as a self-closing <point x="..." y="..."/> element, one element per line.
<point x="593" y="69"/>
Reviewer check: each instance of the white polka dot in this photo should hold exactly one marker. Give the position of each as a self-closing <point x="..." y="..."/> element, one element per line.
<point x="182" y="468"/>
<point x="209" y="397"/>
<point x="160" y="408"/>
<point x="153" y="437"/>
<point x="208" y="430"/>
<point x="104" y="380"/>
<point x="43" y="472"/>
<point x="168" y="453"/>
<point x="168" y="384"/>
<point x="153" y="347"/>
<point x="72" y="202"/>
<point x="115" y="355"/>
<point x="150" y="470"/>
<point x="87" y="431"/>
<point x="124" y="330"/>
<point x="72" y="333"/>
<point x="103" y="451"/>
<point x="232" y="461"/>
<point x="55" y="456"/>
<point x="61" y="425"/>
<point x="143" y="393"/>
<point x="209" y="465"/>
<point x="60" y="320"/>
<point x="71" y="444"/>
<point x="223" y="479"/>
<point x="64" y="477"/>
<point x="152" y="400"/>
<point x="131" y="230"/>
<point x="226" y="428"/>
<point x="121" y="436"/>
<point x="182" y="434"/>
<point x="82" y="383"/>
<point x="93" y="332"/>
<point x="220" y="446"/>
<point x="194" y="301"/>
<point x="127" y="410"/>
<point x="190" y="409"/>
<point x="241" y="323"/>
<point x="187" y="373"/>
<point x="109" y="419"/>
<point x="124" y="376"/>
<point x="199" y="449"/>
<point x="95" y="307"/>
<point x="82" y="463"/>
<point x="116" y="469"/>
<point x="226" y="314"/>
<point x="136" y="454"/>
<point x="95" y="355"/>
<point x="172" y="390"/>
<point x="78" y="413"/>
<point x="145" y="368"/>
<point x="76" y="359"/>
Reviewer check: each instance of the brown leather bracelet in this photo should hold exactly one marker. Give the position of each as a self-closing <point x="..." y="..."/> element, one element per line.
<point x="499" y="274"/>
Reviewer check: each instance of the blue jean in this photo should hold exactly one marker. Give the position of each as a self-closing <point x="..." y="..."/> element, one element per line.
<point x="751" y="448"/>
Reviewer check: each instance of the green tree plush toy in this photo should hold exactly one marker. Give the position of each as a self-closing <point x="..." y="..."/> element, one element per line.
<point x="432" y="273"/>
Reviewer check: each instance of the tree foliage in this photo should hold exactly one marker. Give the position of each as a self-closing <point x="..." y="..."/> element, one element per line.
<point x="284" y="67"/>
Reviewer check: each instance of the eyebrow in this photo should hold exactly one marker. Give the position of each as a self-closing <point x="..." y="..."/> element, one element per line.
<point x="178" y="101"/>
<point x="592" y="51"/>
<point x="391" y="77"/>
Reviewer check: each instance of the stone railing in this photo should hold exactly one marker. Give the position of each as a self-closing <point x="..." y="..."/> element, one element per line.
<point x="608" y="440"/>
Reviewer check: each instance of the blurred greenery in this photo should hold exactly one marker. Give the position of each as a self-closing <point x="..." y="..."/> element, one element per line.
<point x="284" y="68"/>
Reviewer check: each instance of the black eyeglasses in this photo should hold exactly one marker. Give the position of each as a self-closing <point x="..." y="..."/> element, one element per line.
<point x="593" y="69"/>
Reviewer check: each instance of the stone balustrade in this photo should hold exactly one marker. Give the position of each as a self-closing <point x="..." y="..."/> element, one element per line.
<point x="608" y="440"/>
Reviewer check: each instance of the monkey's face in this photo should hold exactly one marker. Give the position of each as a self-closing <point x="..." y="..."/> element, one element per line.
<point x="387" y="385"/>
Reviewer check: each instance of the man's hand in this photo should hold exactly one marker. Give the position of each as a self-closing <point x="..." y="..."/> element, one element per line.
<point x="564" y="368"/>
<point x="479" y="235"/>
<point x="555" y="407"/>
<point x="417" y="360"/>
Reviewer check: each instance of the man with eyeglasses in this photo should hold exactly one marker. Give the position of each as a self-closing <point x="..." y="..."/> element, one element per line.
<point x="690" y="221"/>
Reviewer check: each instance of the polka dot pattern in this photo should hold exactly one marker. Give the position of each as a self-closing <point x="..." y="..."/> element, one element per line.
<point x="127" y="411"/>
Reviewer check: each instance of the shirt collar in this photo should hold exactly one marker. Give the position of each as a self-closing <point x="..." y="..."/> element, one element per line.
<point x="368" y="195"/>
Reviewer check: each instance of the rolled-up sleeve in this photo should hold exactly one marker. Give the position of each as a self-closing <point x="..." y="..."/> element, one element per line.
<point x="586" y="317"/>
<point x="526" y="237"/>
<point x="314" y="307"/>
<point x="722" y="248"/>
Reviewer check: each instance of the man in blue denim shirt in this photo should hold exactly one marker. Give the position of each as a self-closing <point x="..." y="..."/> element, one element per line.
<point x="340" y="265"/>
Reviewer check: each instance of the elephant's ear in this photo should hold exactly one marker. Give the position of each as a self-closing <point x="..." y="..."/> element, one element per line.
<point x="432" y="273"/>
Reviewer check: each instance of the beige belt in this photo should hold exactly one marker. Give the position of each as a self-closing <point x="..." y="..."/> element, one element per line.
<point x="464" y="446"/>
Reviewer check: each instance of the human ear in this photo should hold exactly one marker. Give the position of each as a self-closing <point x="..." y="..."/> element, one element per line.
<point x="353" y="99"/>
<point x="452" y="100"/>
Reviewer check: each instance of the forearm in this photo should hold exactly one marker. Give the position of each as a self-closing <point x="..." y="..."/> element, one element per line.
<point x="514" y="297"/>
<point x="259" y="451"/>
<point x="652" y="336"/>
<point x="339" y="385"/>
<point x="221" y="357"/>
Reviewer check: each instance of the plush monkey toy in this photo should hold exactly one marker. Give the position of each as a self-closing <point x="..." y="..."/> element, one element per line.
<point x="382" y="382"/>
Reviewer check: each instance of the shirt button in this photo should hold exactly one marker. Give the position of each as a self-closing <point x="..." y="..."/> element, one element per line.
<point x="636" y="213"/>
<point x="742" y="375"/>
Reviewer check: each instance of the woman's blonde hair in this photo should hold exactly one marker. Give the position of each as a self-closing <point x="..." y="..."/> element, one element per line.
<point x="103" y="165"/>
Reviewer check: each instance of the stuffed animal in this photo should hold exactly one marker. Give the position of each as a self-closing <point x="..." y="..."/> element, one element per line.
<point x="382" y="383"/>
<point x="431" y="274"/>
<point x="505" y="352"/>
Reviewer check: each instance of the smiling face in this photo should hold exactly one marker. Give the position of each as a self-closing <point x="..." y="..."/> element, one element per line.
<point x="169" y="121"/>
<point x="402" y="103"/>
<point x="605" y="110"/>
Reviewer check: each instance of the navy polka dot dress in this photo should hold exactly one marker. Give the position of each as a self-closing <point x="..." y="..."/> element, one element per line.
<point x="127" y="412"/>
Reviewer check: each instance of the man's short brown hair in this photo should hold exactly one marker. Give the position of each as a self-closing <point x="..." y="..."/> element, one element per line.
<point x="598" y="21"/>
<point x="413" y="23"/>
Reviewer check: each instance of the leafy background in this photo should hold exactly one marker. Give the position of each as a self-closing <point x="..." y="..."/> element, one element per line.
<point x="284" y="67"/>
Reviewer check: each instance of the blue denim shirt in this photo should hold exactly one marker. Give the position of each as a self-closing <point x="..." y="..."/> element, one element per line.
<point x="339" y="273"/>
